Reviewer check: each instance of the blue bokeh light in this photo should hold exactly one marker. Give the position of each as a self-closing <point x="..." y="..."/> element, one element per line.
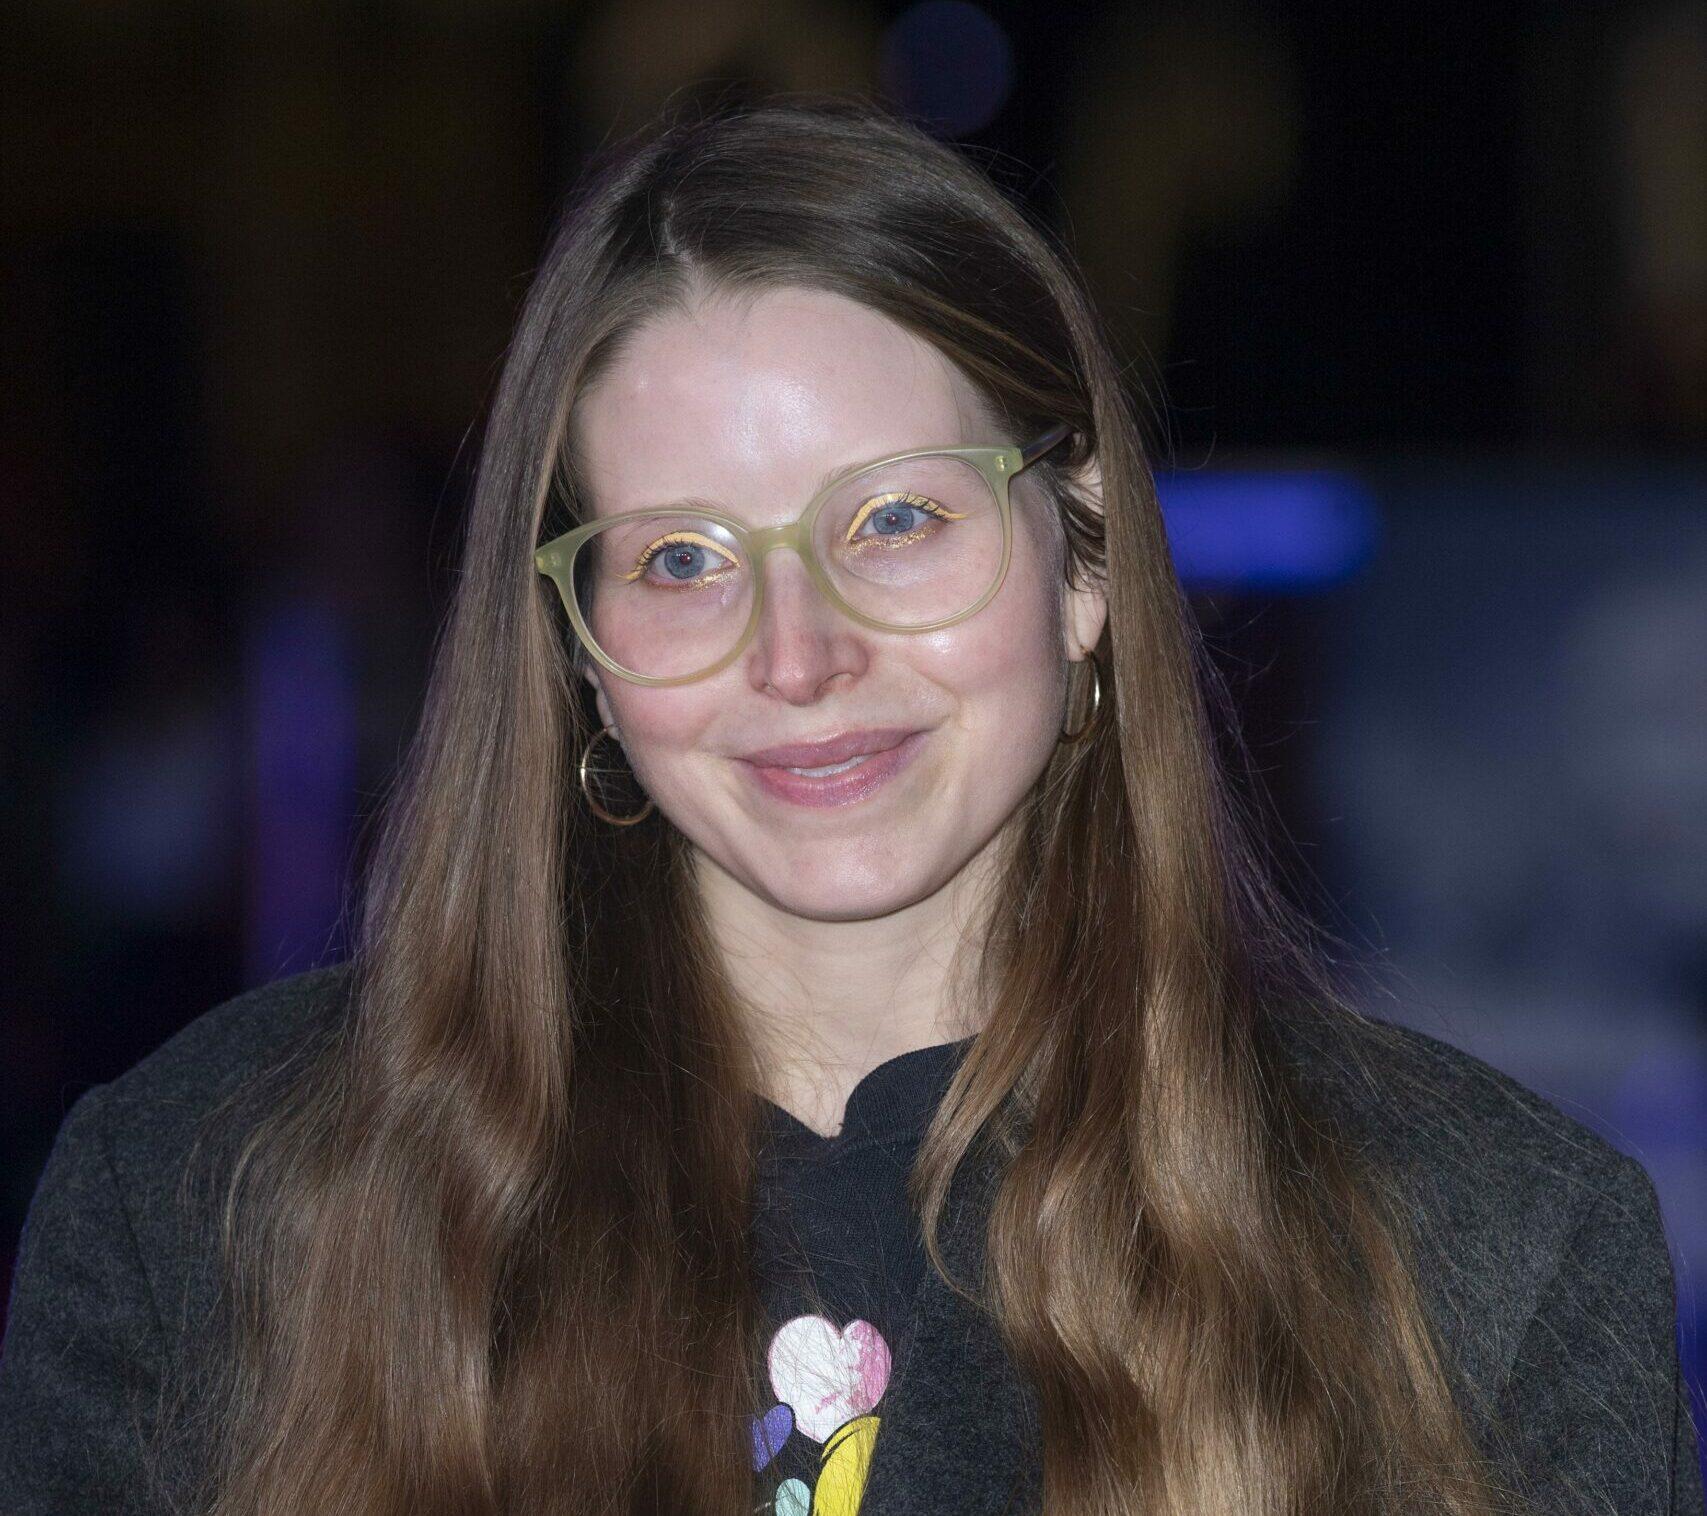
<point x="1268" y="529"/>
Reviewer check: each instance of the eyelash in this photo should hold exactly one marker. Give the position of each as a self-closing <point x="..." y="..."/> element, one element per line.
<point x="652" y="549"/>
<point x="901" y="497"/>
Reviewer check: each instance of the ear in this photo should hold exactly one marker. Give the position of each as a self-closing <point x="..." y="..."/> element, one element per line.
<point x="591" y="670"/>
<point x="1086" y="610"/>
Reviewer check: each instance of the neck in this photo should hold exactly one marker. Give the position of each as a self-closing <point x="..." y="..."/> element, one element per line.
<point x="830" y="1000"/>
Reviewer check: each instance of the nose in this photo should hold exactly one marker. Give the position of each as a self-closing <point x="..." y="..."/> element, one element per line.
<point x="801" y="641"/>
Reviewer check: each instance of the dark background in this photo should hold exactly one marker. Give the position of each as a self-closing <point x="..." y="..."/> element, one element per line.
<point x="1416" y="298"/>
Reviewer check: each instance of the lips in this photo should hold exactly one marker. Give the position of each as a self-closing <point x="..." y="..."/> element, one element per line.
<point x="837" y="749"/>
<point x="863" y="779"/>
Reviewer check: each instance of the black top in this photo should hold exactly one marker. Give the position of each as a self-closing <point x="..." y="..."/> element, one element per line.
<point x="1541" y="1257"/>
<point x="839" y="1257"/>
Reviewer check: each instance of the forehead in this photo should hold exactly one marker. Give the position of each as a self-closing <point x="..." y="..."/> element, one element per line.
<point x="754" y="398"/>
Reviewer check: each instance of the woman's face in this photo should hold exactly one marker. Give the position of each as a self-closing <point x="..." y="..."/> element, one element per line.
<point x="747" y="404"/>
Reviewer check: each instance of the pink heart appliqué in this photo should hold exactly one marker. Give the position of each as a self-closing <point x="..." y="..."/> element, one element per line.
<point x="828" y="1374"/>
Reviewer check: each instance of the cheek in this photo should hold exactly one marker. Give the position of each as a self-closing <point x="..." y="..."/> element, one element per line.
<point x="1013" y="646"/>
<point x="1005" y="676"/>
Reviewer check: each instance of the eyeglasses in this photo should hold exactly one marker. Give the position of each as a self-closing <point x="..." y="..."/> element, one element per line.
<point x="910" y="543"/>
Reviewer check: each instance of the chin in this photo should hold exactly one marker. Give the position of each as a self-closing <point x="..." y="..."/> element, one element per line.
<point x="827" y="893"/>
<point x="843" y="909"/>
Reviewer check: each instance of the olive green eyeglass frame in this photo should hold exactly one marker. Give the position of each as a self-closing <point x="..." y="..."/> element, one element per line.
<point x="556" y="558"/>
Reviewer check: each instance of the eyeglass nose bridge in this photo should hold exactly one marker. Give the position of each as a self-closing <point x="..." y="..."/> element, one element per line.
<point x="762" y="539"/>
<point x="792" y="534"/>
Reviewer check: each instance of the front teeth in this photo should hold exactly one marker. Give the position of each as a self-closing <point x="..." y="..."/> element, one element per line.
<point x="834" y="768"/>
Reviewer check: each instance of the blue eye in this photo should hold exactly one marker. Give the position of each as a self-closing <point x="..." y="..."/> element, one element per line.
<point x="885" y="518"/>
<point x="684" y="555"/>
<point x="896" y="515"/>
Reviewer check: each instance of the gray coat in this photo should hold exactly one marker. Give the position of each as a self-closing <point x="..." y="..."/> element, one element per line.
<point x="1542" y="1253"/>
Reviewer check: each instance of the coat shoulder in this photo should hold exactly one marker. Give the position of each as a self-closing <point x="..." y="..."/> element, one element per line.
<point x="1414" y="1098"/>
<point x="113" y="1319"/>
<point x="1494" y="1178"/>
<point x="156" y="1107"/>
<point x="170" y="1126"/>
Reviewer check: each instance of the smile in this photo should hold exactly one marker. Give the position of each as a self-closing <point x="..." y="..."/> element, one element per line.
<point x="836" y="784"/>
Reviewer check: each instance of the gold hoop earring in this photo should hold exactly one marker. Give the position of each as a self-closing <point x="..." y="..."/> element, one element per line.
<point x="1096" y="705"/>
<point x="586" y="789"/>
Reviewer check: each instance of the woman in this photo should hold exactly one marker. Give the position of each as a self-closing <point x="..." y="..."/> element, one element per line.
<point x="587" y="1185"/>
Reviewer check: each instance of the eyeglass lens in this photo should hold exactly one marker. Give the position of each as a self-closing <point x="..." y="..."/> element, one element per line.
<point x="907" y="543"/>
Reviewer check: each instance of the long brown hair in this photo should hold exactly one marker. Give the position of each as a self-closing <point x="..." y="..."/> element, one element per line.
<point x="491" y="1252"/>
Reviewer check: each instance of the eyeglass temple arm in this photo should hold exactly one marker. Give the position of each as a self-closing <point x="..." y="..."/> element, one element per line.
<point x="1056" y="435"/>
